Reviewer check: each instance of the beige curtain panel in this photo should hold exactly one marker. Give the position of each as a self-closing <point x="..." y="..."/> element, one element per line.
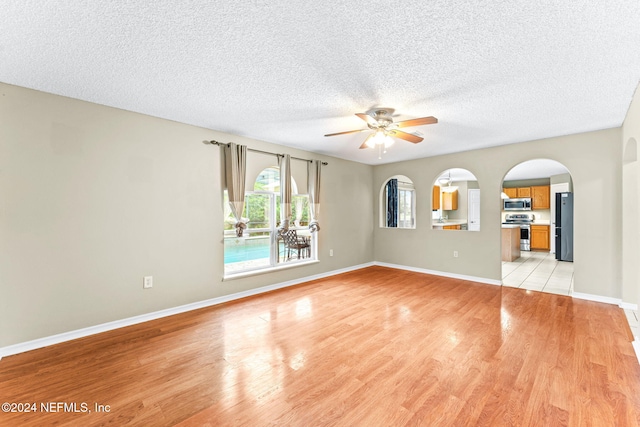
<point x="314" y="168"/>
<point x="235" y="162"/>
<point x="285" y="191"/>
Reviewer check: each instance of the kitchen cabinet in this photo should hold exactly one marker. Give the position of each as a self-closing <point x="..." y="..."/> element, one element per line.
<point x="435" y="198"/>
<point x="450" y="200"/>
<point x="540" y="237"/>
<point x="517" y="192"/>
<point x="511" y="192"/>
<point x="452" y="227"/>
<point x="540" y="197"/>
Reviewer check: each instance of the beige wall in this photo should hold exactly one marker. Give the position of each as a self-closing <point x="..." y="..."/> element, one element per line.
<point x="631" y="195"/>
<point x="561" y="179"/>
<point x="94" y="198"/>
<point x="593" y="160"/>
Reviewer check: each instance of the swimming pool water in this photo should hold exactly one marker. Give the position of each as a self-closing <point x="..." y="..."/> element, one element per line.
<point x="239" y="253"/>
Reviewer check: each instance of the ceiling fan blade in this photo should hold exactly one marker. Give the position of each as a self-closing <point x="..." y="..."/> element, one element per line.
<point x="417" y="122"/>
<point x="406" y="136"/>
<point x="344" y="133"/>
<point x="364" y="144"/>
<point x="367" y="118"/>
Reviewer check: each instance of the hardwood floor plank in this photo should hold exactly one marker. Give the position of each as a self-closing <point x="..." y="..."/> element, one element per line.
<point x="377" y="346"/>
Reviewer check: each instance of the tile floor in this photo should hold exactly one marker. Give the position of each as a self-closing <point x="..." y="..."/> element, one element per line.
<point x="539" y="271"/>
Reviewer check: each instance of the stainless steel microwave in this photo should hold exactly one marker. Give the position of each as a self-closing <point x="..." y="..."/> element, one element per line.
<point x="523" y="204"/>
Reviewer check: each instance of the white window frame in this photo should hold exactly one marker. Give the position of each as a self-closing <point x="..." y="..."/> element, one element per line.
<point x="274" y="245"/>
<point x="402" y="194"/>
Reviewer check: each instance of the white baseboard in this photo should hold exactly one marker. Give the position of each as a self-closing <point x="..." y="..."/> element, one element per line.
<point x="441" y="273"/>
<point x="628" y="306"/>
<point x="597" y="298"/>
<point x="80" y="333"/>
<point x="636" y="347"/>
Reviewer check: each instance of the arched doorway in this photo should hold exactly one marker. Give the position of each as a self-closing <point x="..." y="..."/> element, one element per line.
<point x="538" y="206"/>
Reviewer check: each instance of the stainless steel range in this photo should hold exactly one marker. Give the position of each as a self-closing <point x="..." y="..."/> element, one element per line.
<point x="524" y="220"/>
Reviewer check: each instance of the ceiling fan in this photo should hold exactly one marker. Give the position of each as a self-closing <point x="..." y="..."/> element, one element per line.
<point x="381" y="122"/>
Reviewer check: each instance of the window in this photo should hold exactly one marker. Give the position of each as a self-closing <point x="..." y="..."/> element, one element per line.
<point x="398" y="203"/>
<point x="406" y="208"/>
<point x="260" y="247"/>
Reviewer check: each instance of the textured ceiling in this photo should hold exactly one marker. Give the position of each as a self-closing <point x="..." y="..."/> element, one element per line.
<point x="289" y="72"/>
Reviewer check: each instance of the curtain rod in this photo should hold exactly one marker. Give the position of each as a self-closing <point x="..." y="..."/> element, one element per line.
<point x="214" y="142"/>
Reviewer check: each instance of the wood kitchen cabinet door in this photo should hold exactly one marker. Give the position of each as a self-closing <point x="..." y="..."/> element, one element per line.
<point x="511" y="192"/>
<point x="524" y="192"/>
<point x="450" y="201"/>
<point x="540" y="237"/>
<point x="435" y="198"/>
<point x="541" y="197"/>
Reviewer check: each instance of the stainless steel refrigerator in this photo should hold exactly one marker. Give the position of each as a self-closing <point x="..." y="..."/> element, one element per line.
<point x="564" y="226"/>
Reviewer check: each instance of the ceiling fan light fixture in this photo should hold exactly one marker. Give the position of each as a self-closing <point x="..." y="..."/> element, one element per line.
<point x="378" y="139"/>
<point x="371" y="142"/>
<point x="445" y="180"/>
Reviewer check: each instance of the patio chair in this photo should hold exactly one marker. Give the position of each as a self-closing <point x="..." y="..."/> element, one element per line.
<point x="292" y="242"/>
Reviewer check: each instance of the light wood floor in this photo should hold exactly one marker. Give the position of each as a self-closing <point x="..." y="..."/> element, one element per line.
<point x="375" y="347"/>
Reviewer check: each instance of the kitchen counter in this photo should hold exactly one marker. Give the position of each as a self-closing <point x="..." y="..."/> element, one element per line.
<point x="447" y="222"/>
<point x="510" y="242"/>
<point x="541" y="222"/>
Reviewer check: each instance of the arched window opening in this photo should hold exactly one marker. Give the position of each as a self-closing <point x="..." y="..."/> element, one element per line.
<point x="455" y="201"/>
<point x="398" y="203"/>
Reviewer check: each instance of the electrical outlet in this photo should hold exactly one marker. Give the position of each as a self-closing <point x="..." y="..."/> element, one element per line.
<point x="455" y="254"/>
<point x="330" y="252"/>
<point x="147" y="282"/>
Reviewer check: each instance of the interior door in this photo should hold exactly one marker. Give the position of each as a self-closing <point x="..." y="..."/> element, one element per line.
<point x="555" y="188"/>
<point x="473" y="213"/>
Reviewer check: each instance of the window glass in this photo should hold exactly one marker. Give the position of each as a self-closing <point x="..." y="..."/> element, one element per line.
<point x="257" y="207"/>
<point x="268" y="180"/>
<point x="405" y="208"/>
<point x="398" y="203"/>
<point x="261" y="246"/>
<point x="242" y="254"/>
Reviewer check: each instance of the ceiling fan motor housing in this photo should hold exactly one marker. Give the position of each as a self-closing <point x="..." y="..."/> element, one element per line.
<point x="383" y="117"/>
